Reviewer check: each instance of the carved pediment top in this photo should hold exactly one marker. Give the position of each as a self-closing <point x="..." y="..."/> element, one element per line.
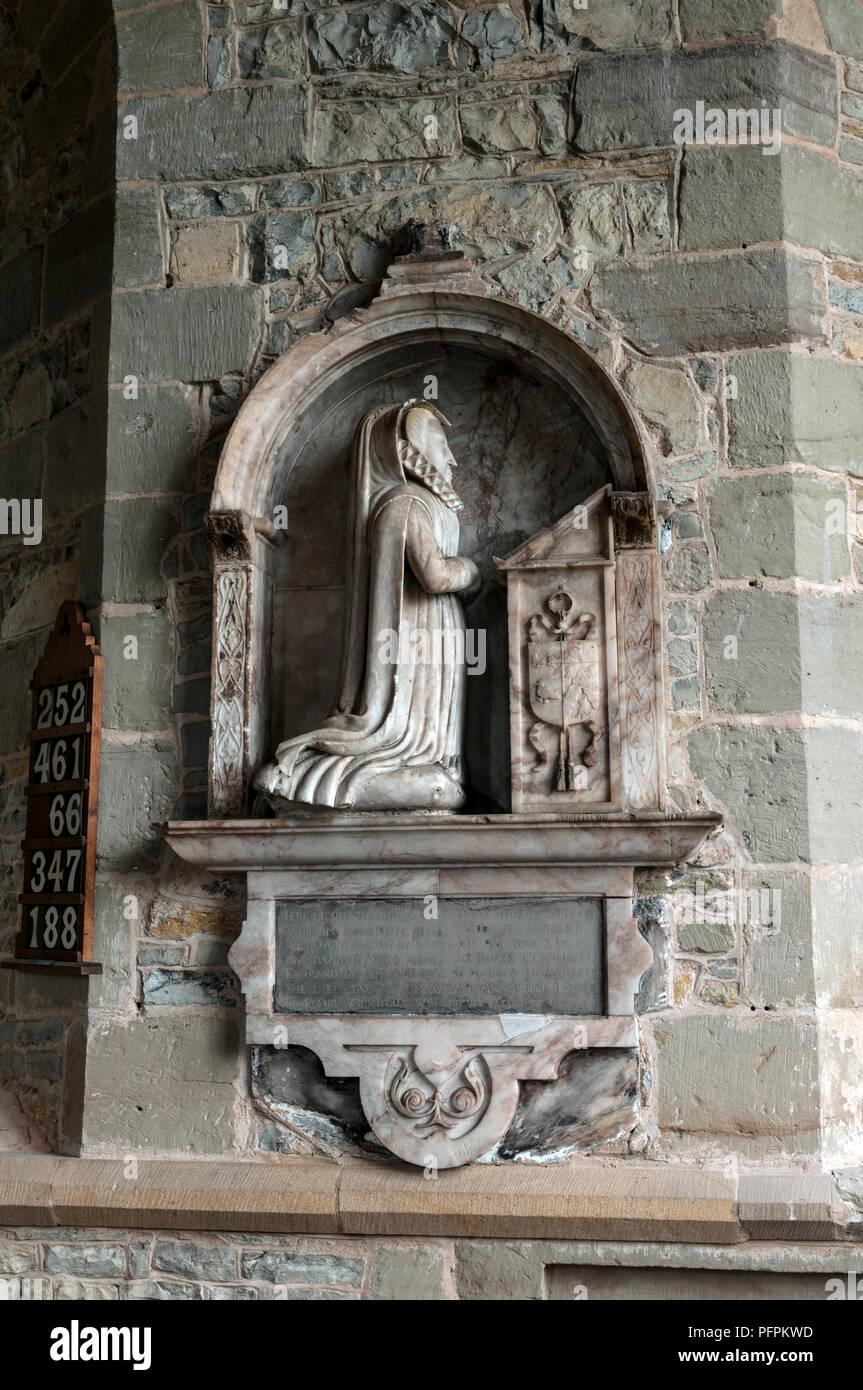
<point x="583" y="533"/>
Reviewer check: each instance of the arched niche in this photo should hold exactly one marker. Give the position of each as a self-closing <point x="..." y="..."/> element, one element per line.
<point x="537" y="426"/>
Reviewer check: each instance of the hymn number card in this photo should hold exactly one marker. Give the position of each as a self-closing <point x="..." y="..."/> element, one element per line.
<point x="60" y="843"/>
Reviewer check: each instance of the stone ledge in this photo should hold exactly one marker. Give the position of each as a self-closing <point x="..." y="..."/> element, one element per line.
<point x="590" y="1201"/>
<point x="782" y="1206"/>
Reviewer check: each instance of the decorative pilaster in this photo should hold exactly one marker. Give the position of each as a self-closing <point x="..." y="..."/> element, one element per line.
<point x="239" y="709"/>
<point x="639" y="651"/>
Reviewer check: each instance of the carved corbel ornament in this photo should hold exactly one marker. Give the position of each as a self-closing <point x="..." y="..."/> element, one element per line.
<point x="634" y="520"/>
<point x="232" y="535"/>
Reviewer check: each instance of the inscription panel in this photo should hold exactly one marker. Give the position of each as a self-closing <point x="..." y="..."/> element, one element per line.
<point x="476" y="956"/>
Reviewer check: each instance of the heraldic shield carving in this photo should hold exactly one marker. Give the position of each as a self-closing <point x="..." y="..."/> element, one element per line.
<point x="564" y="686"/>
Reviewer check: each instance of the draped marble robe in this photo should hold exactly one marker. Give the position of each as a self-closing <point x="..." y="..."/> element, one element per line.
<point x="395" y="739"/>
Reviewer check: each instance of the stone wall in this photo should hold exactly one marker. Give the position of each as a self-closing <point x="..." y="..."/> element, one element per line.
<point x="92" y="1264"/>
<point x="268" y="157"/>
<point x="132" y="1265"/>
<point x="57" y="214"/>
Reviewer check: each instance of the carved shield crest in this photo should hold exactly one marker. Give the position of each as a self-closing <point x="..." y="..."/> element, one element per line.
<point x="564" y="680"/>
<point x="564" y="687"/>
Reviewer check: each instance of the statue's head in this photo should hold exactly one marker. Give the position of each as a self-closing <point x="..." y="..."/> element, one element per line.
<point x="424" y="450"/>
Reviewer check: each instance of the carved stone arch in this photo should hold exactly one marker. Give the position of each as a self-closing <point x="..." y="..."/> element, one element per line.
<point x="427" y="300"/>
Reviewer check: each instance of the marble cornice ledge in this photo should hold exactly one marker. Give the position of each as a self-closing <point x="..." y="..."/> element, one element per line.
<point x="636" y="840"/>
<point x="592" y="1200"/>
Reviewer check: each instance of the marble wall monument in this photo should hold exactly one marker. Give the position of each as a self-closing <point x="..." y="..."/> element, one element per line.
<point x="438" y="933"/>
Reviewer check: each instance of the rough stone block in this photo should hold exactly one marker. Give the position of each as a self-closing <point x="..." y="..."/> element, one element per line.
<point x="84" y="1259"/>
<point x="736" y="196"/>
<point x="566" y="24"/>
<point x="834" y="756"/>
<point x="16" y="1259"/>
<point x="225" y="200"/>
<point x="497" y="129"/>
<point x="682" y="616"/>
<point x="592" y="218"/>
<point x="162" y="1291"/>
<point x="139" y="654"/>
<point x="113" y="938"/>
<point x="529" y="283"/>
<point x="20" y="657"/>
<point x="647" y="211"/>
<point x="692" y="304"/>
<point x="838" y="943"/>
<point x="42" y="1032"/>
<point x="492" y="34"/>
<point x="687" y="568"/>
<point x="139" y="783"/>
<point x="779" y="525"/>
<point x="412" y="1275"/>
<point x="194" y="1260"/>
<point x="793" y="652"/>
<point x="209" y="252"/>
<point x="137" y="238"/>
<point x="152" y="440"/>
<point x="182" y="988"/>
<point x="197" y="334"/>
<point x="493" y="221"/>
<point x="282" y="246"/>
<point x="20" y="295"/>
<point x="230" y="133"/>
<point x="752" y="1080"/>
<point x="161" y="48"/>
<point x="175" y="921"/>
<point x="78" y="260"/>
<point x="400" y="38"/>
<point x="74" y="459"/>
<point x="844" y="26"/>
<point x="795" y="409"/>
<point x="778" y="955"/>
<point x="628" y="100"/>
<point x="80" y="1290"/>
<point x="499" y="1270"/>
<point x="283" y="1267"/>
<point x="274" y="51"/>
<point x="21" y="470"/>
<point x="382" y="130"/>
<point x="42" y="1066"/>
<point x="667" y="400"/>
<point x="723" y="19"/>
<point x="752" y="652"/>
<point x="164" y="1085"/>
<point x="706" y="936"/>
<point x="760" y="776"/>
<point x="137" y="532"/>
<point x="219" y="60"/>
<point x="682" y="657"/>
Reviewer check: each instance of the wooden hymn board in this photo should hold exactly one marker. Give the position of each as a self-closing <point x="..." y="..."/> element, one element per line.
<point x="59" y="846"/>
